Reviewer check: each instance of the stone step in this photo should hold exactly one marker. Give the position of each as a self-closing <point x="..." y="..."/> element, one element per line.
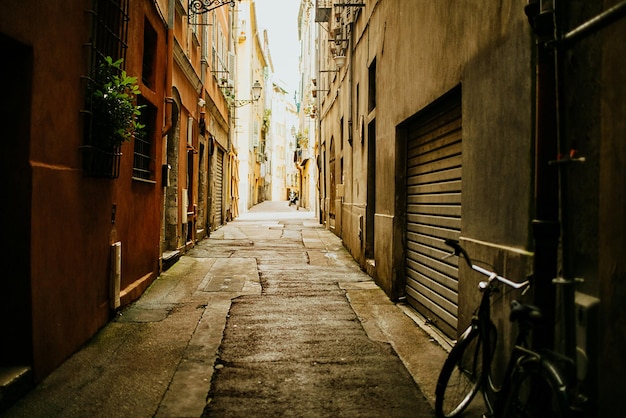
<point x="15" y="382"/>
<point x="170" y="258"/>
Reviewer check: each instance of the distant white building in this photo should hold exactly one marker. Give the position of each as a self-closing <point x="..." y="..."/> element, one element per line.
<point x="306" y="130"/>
<point x="252" y="63"/>
<point x="280" y="143"/>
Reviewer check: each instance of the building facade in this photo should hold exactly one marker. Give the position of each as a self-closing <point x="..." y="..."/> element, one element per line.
<point x="86" y="212"/>
<point x="248" y="111"/>
<point x="439" y="121"/>
<point x="197" y="196"/>
<point x="306" y="132"/>
<point x="280" y="141"/>
<point x="100" y="212"/>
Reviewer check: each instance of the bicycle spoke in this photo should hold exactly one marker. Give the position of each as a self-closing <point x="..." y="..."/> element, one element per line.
<point x="461" y="377"/>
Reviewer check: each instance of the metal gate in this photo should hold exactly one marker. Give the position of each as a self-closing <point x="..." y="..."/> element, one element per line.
<point x="219" y="187"/>
<point x="434" y="212"/>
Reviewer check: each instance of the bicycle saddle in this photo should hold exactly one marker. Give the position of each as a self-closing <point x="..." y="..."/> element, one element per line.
<point x="524" y="313"/>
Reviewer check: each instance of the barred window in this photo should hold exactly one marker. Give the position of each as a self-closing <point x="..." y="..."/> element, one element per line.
<point x="110" y="29"/>
<point x="109" y="32"/>
<point x="143" y="165"/>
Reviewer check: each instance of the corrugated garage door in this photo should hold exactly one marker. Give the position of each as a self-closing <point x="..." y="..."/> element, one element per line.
<point x="219" y="187"/>
<point x="434" y="212"/>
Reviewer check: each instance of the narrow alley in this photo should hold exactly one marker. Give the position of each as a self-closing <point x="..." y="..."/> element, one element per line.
<point x="270" y="316"/>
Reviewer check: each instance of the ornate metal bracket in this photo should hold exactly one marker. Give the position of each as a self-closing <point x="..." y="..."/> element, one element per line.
<point x="240" y="103"/>
<point x="199" y="7"/>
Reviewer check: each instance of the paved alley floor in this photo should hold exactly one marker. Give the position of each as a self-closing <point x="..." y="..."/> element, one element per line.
<point x="298" y="349"/>
<point x="270" y="316"/>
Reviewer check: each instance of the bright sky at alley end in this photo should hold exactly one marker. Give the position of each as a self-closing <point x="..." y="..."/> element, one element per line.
<point x="280" y="18"/>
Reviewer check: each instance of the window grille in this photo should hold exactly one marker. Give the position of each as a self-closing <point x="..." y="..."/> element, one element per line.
<point x="142" y="159"/>
<point x="109" y="33"/>
<point x="143" y="166"/>
<point x="110" y="29"/>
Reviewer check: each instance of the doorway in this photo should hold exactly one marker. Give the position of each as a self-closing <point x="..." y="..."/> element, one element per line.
<point x="15" y="296"/>
<point x="433" y="209"/>
<point x="331" y="188"/>
<point x="171" y="210"/>
<point x="371" y="191"/>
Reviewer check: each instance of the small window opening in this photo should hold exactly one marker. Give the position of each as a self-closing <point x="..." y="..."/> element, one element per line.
<point x="149" y="55"/>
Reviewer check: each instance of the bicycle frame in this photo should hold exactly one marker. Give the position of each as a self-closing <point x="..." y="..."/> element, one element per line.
<point x="532" y="379"/>
<point x="482" y="321"/>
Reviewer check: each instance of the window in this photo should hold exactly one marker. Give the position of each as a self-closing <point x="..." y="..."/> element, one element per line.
<point x="371" y="102"/>
<point x="220" y="55"/>
<point x="341" y="133"/>
<point x="143" y="166"/>
<point x="255" y="134"/>
<point x="109" y="32"/>
<point x="149" y="55"/>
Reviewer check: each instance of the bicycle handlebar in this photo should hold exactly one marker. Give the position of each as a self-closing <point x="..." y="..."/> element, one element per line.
<point x="460" y="251"/>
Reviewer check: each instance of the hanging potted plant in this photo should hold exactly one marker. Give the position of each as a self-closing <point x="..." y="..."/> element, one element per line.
<point x="113" y="105"/>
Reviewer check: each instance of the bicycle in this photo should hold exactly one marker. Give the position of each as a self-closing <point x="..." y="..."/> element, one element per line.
<point x="535" y="383"/>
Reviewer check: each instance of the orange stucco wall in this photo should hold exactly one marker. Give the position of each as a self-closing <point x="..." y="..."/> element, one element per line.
<point x="70" y="214"/>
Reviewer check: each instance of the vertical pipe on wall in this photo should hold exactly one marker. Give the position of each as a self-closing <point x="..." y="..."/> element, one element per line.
<point x="546" y="228"/>
<point x="565" y="291"/>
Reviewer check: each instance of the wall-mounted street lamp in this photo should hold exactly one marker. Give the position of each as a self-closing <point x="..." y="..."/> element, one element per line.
<point x="340" y="33"/>
<point x="256" y="95"/>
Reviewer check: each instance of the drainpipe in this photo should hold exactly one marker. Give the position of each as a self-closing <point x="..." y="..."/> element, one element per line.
<point x="596" y="23"/>
<point x="169" y="67"/>
<point x="545" y="226"/>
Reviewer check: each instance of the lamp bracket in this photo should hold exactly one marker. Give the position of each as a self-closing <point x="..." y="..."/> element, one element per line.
<point x="240" y="103"/>
<point x="199" y="7"/>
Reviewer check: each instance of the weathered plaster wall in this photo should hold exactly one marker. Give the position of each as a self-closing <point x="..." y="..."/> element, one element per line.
<point x="423" y="50"/>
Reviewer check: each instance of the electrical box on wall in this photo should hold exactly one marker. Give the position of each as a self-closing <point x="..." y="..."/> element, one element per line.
<point x="339" y="190"/>
<point x="586" y="336"/>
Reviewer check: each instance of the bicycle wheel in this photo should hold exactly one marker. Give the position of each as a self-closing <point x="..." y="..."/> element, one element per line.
<point x="537" y="391"/>
<point x="461" y="375"/>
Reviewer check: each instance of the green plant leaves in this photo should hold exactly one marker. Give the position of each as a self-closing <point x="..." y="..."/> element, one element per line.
<point x="113" y="105"/>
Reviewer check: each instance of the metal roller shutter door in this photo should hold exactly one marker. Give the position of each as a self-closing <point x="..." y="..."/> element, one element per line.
<point x="434" y="214"/>
<point x="219" y="187"/>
